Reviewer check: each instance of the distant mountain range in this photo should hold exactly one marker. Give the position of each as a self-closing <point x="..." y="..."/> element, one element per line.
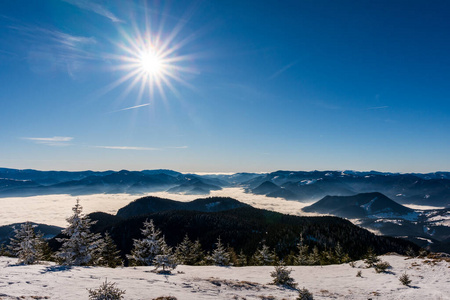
<point x="374" y="211"/>
<point x="373" y="199"/>
<point x="424" y="189"/>
<point x="431" y="189"/>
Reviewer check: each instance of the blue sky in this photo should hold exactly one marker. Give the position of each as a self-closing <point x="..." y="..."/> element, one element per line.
<point x="241" y="85"/>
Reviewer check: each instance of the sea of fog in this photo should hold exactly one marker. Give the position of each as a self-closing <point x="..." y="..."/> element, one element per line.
<point x="54" y="209"/>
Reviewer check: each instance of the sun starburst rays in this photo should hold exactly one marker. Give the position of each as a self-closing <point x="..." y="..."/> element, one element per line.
<point x="150" y="63"/>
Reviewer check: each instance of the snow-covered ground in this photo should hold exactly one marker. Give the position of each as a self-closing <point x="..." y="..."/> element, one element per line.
<point x="430" y="280"/>
<point x="54" y="209"/>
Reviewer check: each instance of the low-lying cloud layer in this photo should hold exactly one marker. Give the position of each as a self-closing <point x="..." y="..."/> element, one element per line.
<point x="54" y="209"/>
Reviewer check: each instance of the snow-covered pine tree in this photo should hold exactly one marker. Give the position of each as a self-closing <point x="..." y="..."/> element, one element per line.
<point x="220" y="255"/>
<point x="109" y="255"/>
<point x="263" y="256"/>
<point x="371" y="258"/>
<point x="25" y="244"/>
<point x="145" y="250"/>
<point x="44" y="250"/>
<point x="183" y="251"/>
<point x="314" y="256"/>
<point x="81" y="247"/>
<point x="282" y="276"/>
<point x="242" y="259"/>
<point x="302" y="257"/>
<point x="197" y="254"/>
<point x="165" y="259"/>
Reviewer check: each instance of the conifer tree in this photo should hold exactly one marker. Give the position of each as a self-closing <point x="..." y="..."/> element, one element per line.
<point x="81" y="247"/>
<point x="264" y="257"/>
<point x="109" y="255"/>
<point x="314" y="256"/>
<point x="183" y="251"/>
<point x="25" y="244"/>
<point x="371" y="258"/>
<point x="197" y="254"/>
<point x="341" y="256"/>
<point x="165" y="259"/>
<point x="302" y="257"/>
<point x="282" y="276"/>
<point x="145" y="250"/>
<point x="44" y="250"/>
<point x="220" y="255"/>
<point x="241" y="259"/>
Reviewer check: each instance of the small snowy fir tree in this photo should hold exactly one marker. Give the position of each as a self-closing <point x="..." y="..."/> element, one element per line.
<point x="282" y="276"/>
<point x="304" y="294"/>
<point x="81" y="247"/>
<point x="107" y="291"/>
<point x="183" y="251"/>
<point x="302" y="257"/>
<point x="241" y="259"/>
<point x="314" y="257"/>
<point x="44" y="251"/>
<point x="339" y="253"/>
<point x="410" y="252"/>
<point x="220" y="256"/>
<point x="264" y="257"/>
<point x="25" y="244"/>
<point x="165" y="260"/>
<point x="371" y="258"/>
<point x="197" y="254"/>
<point x="188" y="252"/>
<point x="145" y="250"/>
<point x="404" y="279"/>
<point x="109" y="255"/>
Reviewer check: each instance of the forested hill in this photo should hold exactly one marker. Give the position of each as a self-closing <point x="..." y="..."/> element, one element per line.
<point x="247" y="228"/>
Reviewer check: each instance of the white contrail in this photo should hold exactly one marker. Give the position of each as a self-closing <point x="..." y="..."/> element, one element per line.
<point x="133" y="107"/>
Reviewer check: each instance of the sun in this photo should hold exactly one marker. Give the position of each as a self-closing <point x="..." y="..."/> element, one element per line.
<point x="151" y="63"/>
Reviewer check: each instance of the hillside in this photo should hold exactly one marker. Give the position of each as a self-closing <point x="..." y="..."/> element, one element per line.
<point x="359" y="206"/>
<point x="243" y="228"/>
<point x="147" y="205"/>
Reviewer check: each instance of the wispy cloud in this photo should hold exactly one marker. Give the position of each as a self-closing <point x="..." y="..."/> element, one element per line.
<point x="51" y="141"/>
<point x="128" y="148"/>
<point x="50" y="49"/>
<point x="132" y="107"/>
<point x="282" y="70"/>
<point x="138" y="148"/>
<point x="91" y="6"/>
<point x="378" y="107"/>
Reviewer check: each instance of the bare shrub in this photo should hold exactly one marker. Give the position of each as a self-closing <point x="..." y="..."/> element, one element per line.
<point x="304" y="294"/>
<point x="107" y="291"/>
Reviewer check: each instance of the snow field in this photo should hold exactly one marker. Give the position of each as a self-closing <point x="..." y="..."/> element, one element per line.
<point x="430" y="280"/>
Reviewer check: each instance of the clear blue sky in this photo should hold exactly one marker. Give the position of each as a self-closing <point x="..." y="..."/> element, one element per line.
<point x="240" y="85"/>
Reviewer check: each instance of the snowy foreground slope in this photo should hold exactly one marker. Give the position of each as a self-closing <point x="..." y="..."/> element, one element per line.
<point x="430" y="280"/>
